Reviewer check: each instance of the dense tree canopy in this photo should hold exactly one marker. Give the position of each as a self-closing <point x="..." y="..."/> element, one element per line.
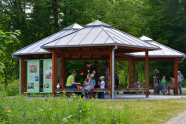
<point x="162" y="20"/>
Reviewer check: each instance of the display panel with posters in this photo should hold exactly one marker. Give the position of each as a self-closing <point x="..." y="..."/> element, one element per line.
<point x="47" y="76"/>
<point x="33" y="69"/>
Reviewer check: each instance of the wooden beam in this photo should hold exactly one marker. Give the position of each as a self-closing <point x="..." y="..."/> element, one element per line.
<point x="110" y="73"/>
<point x="156" y="58"/>
<point x="83" y="59"/>
<point x="127" y="51"/>
<point x="134" y="48"/>
<point x="59" y="51"/>
<point x="134" y="73"/>
<point x="130" y="76"/>
<point x="23" y="76"/>
<point x="176" y="75"/>
<point x="54" y="71"/>
<point x="147" y="72"/>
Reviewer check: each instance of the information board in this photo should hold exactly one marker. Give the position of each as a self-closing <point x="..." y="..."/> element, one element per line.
<point x="33" y="76"/>
<point x="47" y="76"/>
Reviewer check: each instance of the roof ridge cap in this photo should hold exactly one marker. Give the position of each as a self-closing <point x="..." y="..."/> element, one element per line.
<point x="108" y="34"/>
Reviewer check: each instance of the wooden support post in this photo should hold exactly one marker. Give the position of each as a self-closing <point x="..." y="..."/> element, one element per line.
<point x="130" y="76"/>
<point x="176" y="75"/>
<point x="173" y="68"/>
<point x="111" y="73"/>
<point x="114" y="73"/>
<point x="147" y="72"/>
<point x="23" y="76"/>
<point x="63" y="67"/>
<point x="134" y="73"/>
<point x="54" y="71"/>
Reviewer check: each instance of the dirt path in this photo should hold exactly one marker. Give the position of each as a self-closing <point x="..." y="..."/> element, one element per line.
<point x="180" y="119"/>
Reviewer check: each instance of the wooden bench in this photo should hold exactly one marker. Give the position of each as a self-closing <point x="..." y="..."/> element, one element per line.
<point x="161" y="88"/>
<point x="80" y="90"/>
<point x="132" y="90"/>
<point x="105" y="90"/>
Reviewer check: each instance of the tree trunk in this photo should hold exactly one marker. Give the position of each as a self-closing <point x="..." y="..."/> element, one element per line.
<point x="55" y="11"/>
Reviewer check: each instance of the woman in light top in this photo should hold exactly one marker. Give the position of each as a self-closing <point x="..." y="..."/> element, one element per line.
<point x="71" y="84"/>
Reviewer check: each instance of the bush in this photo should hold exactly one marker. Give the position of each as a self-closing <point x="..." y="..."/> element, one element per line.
<point x="12" y="88"/>
<point x="184" y="83"/>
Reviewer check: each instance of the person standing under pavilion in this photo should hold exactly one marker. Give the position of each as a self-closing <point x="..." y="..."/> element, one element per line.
<point x="180" y="81"/>
<point x="84" y="70"/>
<point x="98" y="68"/>
<point x="107" y="76"/>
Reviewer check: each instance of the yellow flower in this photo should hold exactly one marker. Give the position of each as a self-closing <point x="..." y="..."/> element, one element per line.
<point x="88" y="70"/>
<point x="8" y="111"/>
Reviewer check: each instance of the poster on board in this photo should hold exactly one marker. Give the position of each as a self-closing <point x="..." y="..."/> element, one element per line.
<point x="33" y="69"/>
<point x="47" y="76"/>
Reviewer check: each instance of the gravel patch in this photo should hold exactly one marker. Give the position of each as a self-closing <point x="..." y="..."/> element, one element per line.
<point x="180" y="119"/>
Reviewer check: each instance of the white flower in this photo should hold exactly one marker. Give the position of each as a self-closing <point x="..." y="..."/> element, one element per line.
<point x="80" y="111"/>
<point x="69" y="116"/>
<point x="40" y="109"/>
<point x="64" y="119"/>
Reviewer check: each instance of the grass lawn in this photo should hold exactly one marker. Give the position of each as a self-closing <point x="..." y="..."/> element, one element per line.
<point x="65" y="110"/>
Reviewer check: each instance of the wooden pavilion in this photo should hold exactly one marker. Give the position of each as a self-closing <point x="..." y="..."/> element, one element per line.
<point x="33" y="52"/>
<point x="165" y="54"/>
<point x="96" y="41"/>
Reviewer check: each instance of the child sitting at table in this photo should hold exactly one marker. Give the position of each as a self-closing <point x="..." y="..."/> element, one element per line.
<point x="102" y="85"/>
<point x="90" y="85"/>
<point x="86" y="82"/>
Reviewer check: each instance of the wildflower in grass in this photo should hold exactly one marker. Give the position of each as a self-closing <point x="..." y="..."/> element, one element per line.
<point x="8" y="111"/>
<point x="65" y="119"/>
<point x="40" y="109"/>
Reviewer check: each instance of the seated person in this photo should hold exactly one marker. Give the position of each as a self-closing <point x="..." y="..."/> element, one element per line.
<point x="170" y="86"/>
<point x="71" y="84"/>
<point x="86" y="82"/>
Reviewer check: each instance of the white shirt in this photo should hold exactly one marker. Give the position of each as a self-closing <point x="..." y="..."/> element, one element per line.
<point x="102" y="85"/>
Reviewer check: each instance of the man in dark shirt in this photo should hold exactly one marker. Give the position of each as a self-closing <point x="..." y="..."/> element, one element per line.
<point x="158" y="80"/>
<point x="93" y="69"/>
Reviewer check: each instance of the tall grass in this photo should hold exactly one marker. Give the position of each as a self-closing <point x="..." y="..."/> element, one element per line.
<point x="62" y="110"/>
<point x="49" y="110"/>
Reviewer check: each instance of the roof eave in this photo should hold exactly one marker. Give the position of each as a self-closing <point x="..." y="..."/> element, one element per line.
<point x="31" y="53"/>
<point x="159" y="56"/>
<point x="64" y="46"/>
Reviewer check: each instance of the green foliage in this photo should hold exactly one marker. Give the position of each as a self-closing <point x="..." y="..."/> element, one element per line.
<point x="163" y="21"/>
<point x="12" y="88"/>
<point x="8" y="43"/>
